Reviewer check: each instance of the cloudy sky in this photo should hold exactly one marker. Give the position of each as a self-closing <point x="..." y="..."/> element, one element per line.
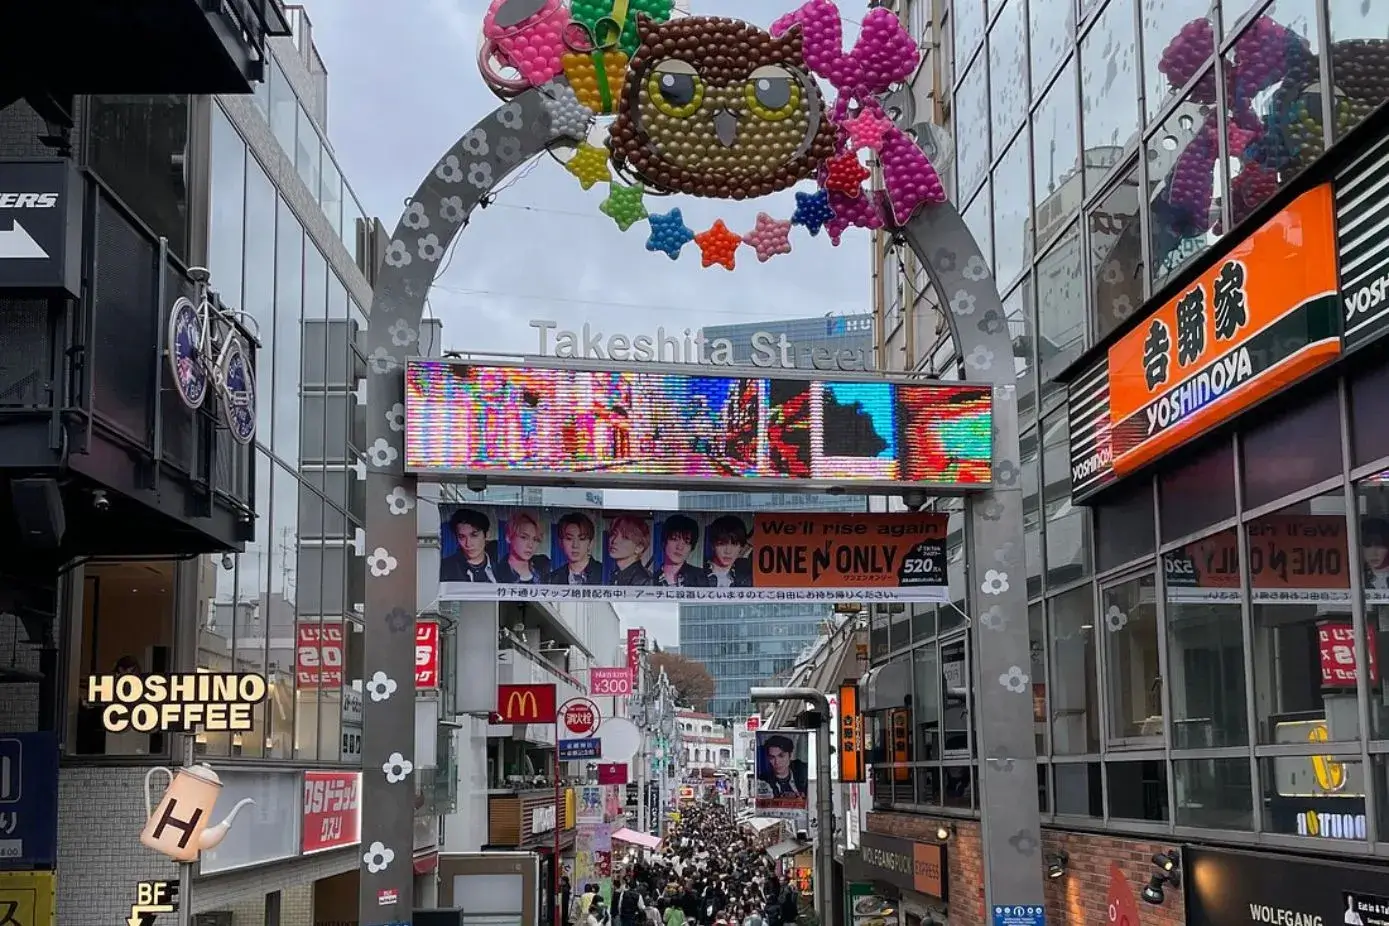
<point x="403" y="86"/>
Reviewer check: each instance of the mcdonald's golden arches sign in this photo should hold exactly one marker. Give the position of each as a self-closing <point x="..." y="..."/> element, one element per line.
<point x="525" y="704"/>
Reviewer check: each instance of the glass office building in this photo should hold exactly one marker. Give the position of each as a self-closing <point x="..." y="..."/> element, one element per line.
<point x="746" y="644"/>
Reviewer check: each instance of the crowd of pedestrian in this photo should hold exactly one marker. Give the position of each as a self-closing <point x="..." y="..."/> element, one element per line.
<point x="705" y="873"/>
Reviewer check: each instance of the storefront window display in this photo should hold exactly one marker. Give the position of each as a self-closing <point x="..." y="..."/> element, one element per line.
<point x="1074" y="697"/>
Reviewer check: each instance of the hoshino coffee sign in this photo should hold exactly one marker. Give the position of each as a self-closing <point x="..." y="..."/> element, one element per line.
<point x="766" y="349"/>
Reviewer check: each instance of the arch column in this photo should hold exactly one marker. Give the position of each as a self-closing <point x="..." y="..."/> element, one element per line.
<point x="480" y="160"/>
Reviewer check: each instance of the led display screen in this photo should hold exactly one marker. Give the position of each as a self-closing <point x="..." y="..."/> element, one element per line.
<point x="610" y="426"/>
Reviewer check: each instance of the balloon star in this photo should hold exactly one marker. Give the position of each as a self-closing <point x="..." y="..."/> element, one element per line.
<point x="624" y="205"/>
<point x="867" y="129"/>
<point x="718" y="245"/>
<point x="844" y="174"/>
<point x="590" y="165"/>
<point x="669" y="233"/>
<point x="770" y="237"/>
<point x="813" y="211"/>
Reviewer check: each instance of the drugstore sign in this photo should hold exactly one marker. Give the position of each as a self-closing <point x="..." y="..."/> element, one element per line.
<point x="1264" y="316"/>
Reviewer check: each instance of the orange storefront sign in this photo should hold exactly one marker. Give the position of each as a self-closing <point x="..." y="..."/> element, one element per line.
<point x="1262" y="317"/>
<point x="850" y="745"/>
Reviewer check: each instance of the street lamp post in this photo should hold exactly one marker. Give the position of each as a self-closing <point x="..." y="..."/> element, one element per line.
<point x="824" y="792"/>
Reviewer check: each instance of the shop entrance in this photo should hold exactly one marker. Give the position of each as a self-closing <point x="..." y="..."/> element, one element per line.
<point x="553" y="104"/>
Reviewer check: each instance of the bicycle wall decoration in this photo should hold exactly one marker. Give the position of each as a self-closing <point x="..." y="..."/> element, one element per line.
<point x="207" y="352"/>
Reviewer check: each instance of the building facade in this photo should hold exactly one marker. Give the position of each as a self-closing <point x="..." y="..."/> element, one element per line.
<point x="746" y="644"/>
<point x="1132" y="171"/>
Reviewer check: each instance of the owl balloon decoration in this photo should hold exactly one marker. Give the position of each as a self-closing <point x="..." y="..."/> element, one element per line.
<point x="720" y="108"/>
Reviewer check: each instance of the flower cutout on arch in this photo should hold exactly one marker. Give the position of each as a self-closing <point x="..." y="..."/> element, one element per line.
<point x="381" y="563"/>
<point x="398" y="255"/>
<point x="1004" y="554"/>
<point x="1015" y="680"/>
<point x="451" y="209"/>
<point x="415" y="217"/>
<point x="945" y="260"/>
<point x="399" y="620"/>
<point x="381" y="454"/>
<point x="1115" y="618"/>
<point x="981" y="358"/>
<point x="1121" y="306"/>
<point x="991" y="510"/>
<point x="429" y="248"/>
<point x="378" y="857"/>
<point x="397" y="768"/>
<point x="1006" y="473"/>
<point x="1023" y="842"/>
<point x="1112" y="273"/>
<point x="508" y="149"/>
<point x="992" y="323"/>
<point x="399" y="501"/>
<point x="380" y="687"/>
<point x="449" y="170"/>
<point x="995" y="582"/>
<point x="475" y="143"/>
<point x="511" y="116"/>
<point x="402" y="335"/>
<point x="963" y="303"/>
<point x="994" y="619"/>
<point x="480" y="174"/>
<point x="382" y="362"/>
<point x="975" y="270"/>
<point x="395" y="417"/>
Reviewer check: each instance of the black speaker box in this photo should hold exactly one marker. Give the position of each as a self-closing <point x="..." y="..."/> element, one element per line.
<point x="38" y="510"/>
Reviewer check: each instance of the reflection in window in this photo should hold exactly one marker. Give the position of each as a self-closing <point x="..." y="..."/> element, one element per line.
<point x="1177" y="42"/>
<point x="979" y="219"/>
<point x="971" y="130"/>
<point x="1055" y="157"/>
<point x="1012" y="215"/>
<point x="1116" y="253"/>
<point x="259" y="283"/>
<point x="289" y="301"/>
<point x="954" y="686"/>
<point x="1051" y="32"/>
<point x="1018" y="308"/>
<point x="1205" y="644"/>
<point x="284" y="108"/>
<point x="1292" y="450"/>
<point x="1181" y="177"/>
<point x="1359" y="49"/>
<point x="1032" y="512"/>
<point x="127" y="629"/>
<point x="1037" y="636"/>
<point x="1060" y="313"/>
<point x="136" y="144"/>
<point x="877" y="633"/>
<point x="1109" y="81"/>
<point x="330" y="193"/>
<point x="926" y="701"/>
<point x="1198" y="492"/>
<point x="1369" y="407"/>
<point x="1008" y="71"/>
<point x="1067" y="527"/>
<point x="1321" y="796"/>
<point x="1138" y="790"/>
<point x="1129" y="612"/>
<point x="308" y="150"/>
<point x="1079" y="789"/>
<point x="217" y="575"/>
<point x="1124" y="528"/>
<point x="1073" y="696"/>
<point x="1299" y="574"/>
<point x="969" y="20"/>
<point x="1372" y="498"/>
<point x="1214" y="793"/>
<point x="227" y="209"/>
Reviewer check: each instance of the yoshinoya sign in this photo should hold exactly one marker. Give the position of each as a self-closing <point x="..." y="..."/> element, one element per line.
<point x="1262" y="317"/>
<point x="1225" y="888"/>
<point x="1361" y="211"/>
<point x="769" y="347"/>
<point x="41" y="226"/>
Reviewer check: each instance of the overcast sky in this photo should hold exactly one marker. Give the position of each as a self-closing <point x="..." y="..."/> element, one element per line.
<point x="403" y="86"/>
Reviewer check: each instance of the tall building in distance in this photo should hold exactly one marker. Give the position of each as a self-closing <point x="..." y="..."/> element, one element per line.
<point x="746" y="644"/>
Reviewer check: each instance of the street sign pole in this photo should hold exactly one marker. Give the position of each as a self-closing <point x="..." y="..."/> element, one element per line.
<point x="559" y="821"/>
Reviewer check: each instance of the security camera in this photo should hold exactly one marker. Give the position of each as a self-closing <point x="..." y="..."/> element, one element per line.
<point x="477" y="483"/>
<point x="99" y="500"/>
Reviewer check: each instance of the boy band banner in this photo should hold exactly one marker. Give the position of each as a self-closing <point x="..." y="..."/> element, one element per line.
<point x="783" y="776"/>
<point x="492" y="552"/>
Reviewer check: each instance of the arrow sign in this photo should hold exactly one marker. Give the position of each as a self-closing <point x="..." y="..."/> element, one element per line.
<point x="18" y="244"/>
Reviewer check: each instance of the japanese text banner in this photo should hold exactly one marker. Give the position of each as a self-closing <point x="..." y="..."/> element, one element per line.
<point x="490" y="553"/>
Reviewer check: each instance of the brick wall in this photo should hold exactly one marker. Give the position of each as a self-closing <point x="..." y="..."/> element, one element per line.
<point x="1079" y="898"/>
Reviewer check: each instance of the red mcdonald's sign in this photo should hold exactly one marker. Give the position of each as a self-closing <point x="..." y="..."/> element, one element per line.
<point x="526" y="704"/>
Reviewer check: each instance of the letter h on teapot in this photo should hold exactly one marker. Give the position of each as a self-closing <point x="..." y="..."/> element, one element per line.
<point x="178" y="826"/>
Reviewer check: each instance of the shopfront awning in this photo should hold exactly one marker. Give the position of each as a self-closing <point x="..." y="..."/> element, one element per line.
<point x="787" y="847"/>
<point x="637" y="838"/>
<point x="758" y="824"/>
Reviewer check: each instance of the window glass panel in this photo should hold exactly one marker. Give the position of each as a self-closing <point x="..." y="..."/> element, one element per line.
<point x="1037" y="634"/>
<point x="1372" y="501"/>
<point x="1032" y="513"/>
<point x="135" y="144"/>
<point x="1199" y="492"/>
<point x="1060" y="314"/>
<point x="978" y="216"/>
<point x="216" y="600"/>
<point x="1358" y="47"/>
<point x="1369" y="409"/>
<point x="1109" y="81"/>
<point x="955" y="680"/>
<point x="289" y="304"/>
<point x="958" y="787"/>
<point x="1176" y="44"/>
<point x="926" y="703"/>
<point x="316" y="628"/>
<point x="1067" y="527"/>
<point x="1131" y="659"/>
<point x="307" y="152"/>
<point x="1012" y="216"/>
<point x="900" y="629"/>
<point x="262" y="94"/>
<point x="1289" y="110"/>
<point x="969" y="19"/>
<point x="1073" y="697"/>
<point x="1292" y="450"/>
<point x="1181" y="189"/>
<point x="259" y="601"/>
<point x="1008" y="72"/>
<point x="1214" y="793"/>
<point x="1055" y="157"/>
<point x="1051" y="33"/>
<point x="1205" y="644"/>
<point x="1079" y="789"/>
<point x="1321" y="796"/>
<point x="227" y="208"/>
<point x="284" y="108"/>
<point x="330" y="193"/>
<point x="971" y="127"/>
<point x="127" y="628"/>
<point x="259" y="296"/>
<point x="281" y="580"/>
<point x="1299" y="573"/>
<point x="351" y="738"/>
<point x="1124" y="528"/>
<point x="1021" y="315"/>
<point x="877" y="633"/>
<point x="923" y="621"/>
<point x="1138" y="790"/>
<point x="1115" y="253"/>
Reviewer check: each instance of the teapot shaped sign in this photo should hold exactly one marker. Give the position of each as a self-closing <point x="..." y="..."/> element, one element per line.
<point x="178" y="826"/>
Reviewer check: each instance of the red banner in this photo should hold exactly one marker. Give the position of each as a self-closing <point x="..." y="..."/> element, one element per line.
<point x="526" y="704"/>
<point x="318" y="656"/>
<point x="426" y="655"/>
<point x="1336" y="645"/>
<point x="332" y="810"/>
<point x="603" y="682"/>
<point x="634" y="650"/>
<point x="612" y="773"/>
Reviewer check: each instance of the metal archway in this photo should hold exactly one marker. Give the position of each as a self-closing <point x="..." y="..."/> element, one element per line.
<point x="482" y="158"/>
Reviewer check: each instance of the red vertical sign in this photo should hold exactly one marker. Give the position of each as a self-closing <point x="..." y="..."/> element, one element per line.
<point x="634" y="638"/>
<point x="426" y="655"/>
<point x="1123" y="908"/>
<point x="1336" y="645"/>
<point x="332" y="810"/>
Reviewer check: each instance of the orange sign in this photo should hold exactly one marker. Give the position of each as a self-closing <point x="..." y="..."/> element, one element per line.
<point x="850" y="745"/>
<point x="525" y="704"/>
<point x="901" y="744"/>
<point x="1263" y="316"/>
<point x="928" y="869"/>
<point x="897" y="551"/>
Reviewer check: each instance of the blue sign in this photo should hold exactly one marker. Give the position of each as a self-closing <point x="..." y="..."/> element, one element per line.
<point x="587" y="748"/>
<point x="1020" y="915"/>
<point x="28" y="800"/>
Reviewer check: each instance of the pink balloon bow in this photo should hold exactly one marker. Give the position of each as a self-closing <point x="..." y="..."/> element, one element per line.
<point x="884" y="54"/>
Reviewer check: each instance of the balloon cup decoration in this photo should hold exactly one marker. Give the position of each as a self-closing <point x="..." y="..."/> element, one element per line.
<point x="719" y="108"/>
